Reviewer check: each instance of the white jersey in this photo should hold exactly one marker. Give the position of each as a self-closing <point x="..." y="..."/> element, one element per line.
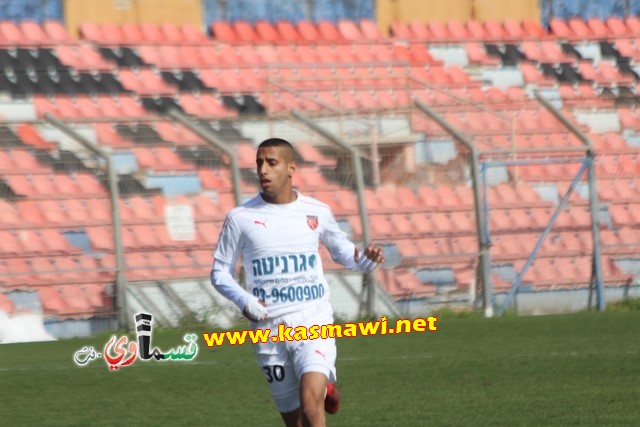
<point x="279" y="245"/>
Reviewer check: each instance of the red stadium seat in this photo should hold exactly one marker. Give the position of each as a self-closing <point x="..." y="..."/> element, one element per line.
<point x="307" y="31"/>
<point x="434" y="30"/>
<point x="579" y="28"/>
<point x="67" y="108"/>
<point x="349" y="30"/>
<point x="633" y="24"/>
<point x="190" y="33"/>
<point x="171" y="33"/>
<point x="328" y="31"/>
<point x="91" y="32"/>
<point x="560" y="29"/>
<point x="617" y="27"/>
<point x="32" y="243"/>
<point x="9" y="244"/>
<point x="266" y="32"/>
<point x="65" y="185"/>
<point x="52" y="302"/>
<point x="402" y="225"/>
<point x="130" y="107"/>
<point x="33" y="33"/>
<point x="30" y="136"/>
<point x="495" y="31"/>
<point x="132" y="32"/>
<point x="112" y="33"/>
<point x="6" y="304"/>
<point x="457" y="30"/>
<point x="513" y="30"/>
<point x="288" y="32"/>
<point x="223" y="31"/>
<point x="533" y="29"/>
<point x="88" y="108"/>
<point x="245" y="32"/>
<point x="476" y="30"/>
<point x="370" y="30"/>
<point x="598" y="28"/>
<point x="401" y="30"/>
<point x="10" y="33"/>
<point x="477" y="54"/>
<point x="152" y="33"/>
<point x="56" y="31"/>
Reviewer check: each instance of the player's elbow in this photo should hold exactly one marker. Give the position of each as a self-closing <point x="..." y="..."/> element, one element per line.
<point x="212" y="276"/>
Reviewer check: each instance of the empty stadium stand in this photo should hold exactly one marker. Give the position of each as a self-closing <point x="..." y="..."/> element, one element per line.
<point x="115" y="82"/>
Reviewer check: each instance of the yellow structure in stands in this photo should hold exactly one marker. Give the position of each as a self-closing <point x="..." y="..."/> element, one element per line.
<point x="389" y="11"/>
<point x="132" y="11"/>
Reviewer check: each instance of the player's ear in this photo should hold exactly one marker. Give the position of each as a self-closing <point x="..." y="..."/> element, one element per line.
<point x="292" y="167"/>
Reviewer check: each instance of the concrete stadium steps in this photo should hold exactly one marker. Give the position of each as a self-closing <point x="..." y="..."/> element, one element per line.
<point x="173" y="302"/>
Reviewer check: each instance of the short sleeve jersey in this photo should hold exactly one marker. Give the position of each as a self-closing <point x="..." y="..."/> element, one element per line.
<point x="279" y="246"/>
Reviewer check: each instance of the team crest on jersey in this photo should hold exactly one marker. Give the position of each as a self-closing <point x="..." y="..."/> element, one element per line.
<point x="312" y="222"/>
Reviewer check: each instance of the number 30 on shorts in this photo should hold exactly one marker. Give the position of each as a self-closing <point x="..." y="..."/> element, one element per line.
<point x="274" y="373"/>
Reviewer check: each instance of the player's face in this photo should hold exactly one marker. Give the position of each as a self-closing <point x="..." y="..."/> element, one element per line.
<point x="275" y="170"/>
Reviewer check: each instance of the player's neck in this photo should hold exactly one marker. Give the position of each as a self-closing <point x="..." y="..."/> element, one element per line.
<point x="283" y="198"/>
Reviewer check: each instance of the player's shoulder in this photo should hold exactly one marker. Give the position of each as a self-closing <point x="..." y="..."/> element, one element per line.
<point x="244" y="208"/>
<point x="314" y="204"/>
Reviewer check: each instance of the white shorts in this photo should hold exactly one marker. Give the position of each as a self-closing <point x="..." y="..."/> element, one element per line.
<point x="284" y="363"/>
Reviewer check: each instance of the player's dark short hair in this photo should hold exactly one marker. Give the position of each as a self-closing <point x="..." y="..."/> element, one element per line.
<point x="278" y="142"/>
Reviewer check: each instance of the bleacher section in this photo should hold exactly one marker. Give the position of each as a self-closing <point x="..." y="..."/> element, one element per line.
<point x="56" y="237"/>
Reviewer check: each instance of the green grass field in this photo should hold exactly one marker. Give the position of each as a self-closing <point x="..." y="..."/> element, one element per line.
<point x="576" y="369"/>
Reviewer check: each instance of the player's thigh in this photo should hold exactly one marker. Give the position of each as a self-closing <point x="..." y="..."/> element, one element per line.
<point x="279" y="372"/>
<point x="317" y="355"/>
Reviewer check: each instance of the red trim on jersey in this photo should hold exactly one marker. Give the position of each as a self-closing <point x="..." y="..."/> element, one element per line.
<point x="316" y="204"/>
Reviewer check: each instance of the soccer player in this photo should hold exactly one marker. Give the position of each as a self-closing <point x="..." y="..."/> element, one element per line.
<point x="278" y="234"/>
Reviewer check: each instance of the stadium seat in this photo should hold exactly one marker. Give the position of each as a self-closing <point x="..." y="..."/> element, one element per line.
<point x="223" y="31"/>
<point x="513" y="30"/>
<point x="132" y="32"/>
<point x="402" y="226"/>
<point x="91" y="32"/>
<point x="10" y="32"/>
<point x="598" y="29"/>
<point x="172" y="33"/>
<point x="152" y="33"/>
<point x="328" y="31"/>
<point x="288" y="32"/>
<point x="266" y="32"/>
<point x="308" y="32"/>
<point x="190" y="33"/>
<point x="476" y="30"/>
<point x="33" y="33"/>
<point x="56" y="31"/>
<point x="579" y="28"/>
<point x="617" y="27"/>
<point x="245" y="32"/>
<point x="370" y="30"/>
<point x="560" y="29"/>
<point x="434" y="30"/>
<point x="9" y="244"/>
<point x="401" y="30"/>
<point x="349" y="30"/>
<point x="52" y="302"/>
<point x="533" y="29"/>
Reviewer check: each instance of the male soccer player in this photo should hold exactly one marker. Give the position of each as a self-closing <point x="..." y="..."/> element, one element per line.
<point x="278" y="233"/>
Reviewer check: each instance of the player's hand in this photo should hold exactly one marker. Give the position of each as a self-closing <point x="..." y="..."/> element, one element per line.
<point x="372" y="252"/>
<point x="255" y="310"/>
<point x="373" y="257"/>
